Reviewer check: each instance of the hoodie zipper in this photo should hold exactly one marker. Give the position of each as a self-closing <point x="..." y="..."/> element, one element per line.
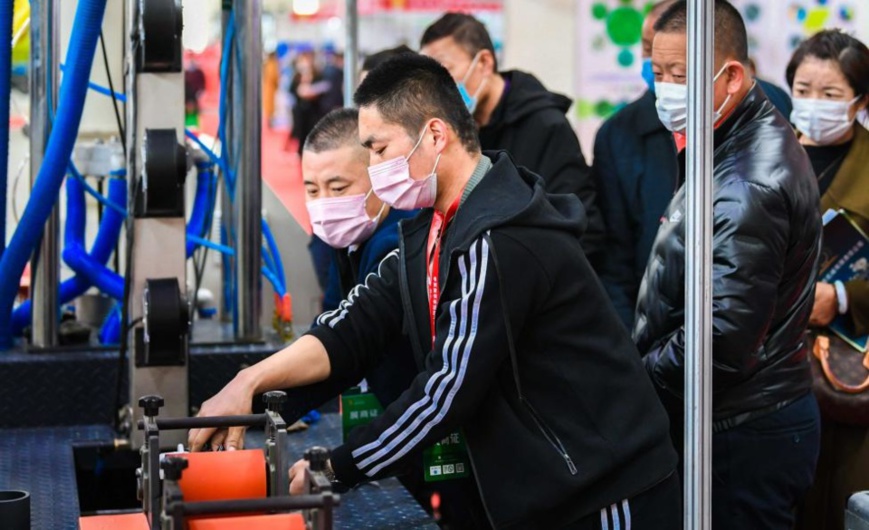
<point x="548" y="433"/>
<point x="551" y="437"/>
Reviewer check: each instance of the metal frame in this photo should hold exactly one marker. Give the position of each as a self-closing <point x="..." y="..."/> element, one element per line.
<point x="322" y="503"/>
<point x="163" y="503"/>
<point x="45" y="276"/>
<point x="698" y="268"/>
<point x="351" y="50"/>
<point x="155" y="100"/>
<point x="246" y="132"/>
<point x="276" y="441"/>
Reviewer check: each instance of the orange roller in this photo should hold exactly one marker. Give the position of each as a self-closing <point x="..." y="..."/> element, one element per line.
<point x="126" y="521"/>
<point x="223" y="475"/>
<point x="283" y="521"/>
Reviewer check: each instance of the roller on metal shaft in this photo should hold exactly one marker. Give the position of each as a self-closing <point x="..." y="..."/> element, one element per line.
<point x="223" y="475"/>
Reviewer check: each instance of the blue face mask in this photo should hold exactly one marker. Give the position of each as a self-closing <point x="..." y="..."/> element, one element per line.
<point x="470" y="101"/>
<point x="648" y="74"/>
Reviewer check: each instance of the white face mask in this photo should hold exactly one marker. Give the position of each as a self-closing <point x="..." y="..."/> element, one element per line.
<point x="822" y="120"/>
<point x="342" y="221"/>
<point x="672" y="104"/>
<point x="393" y="184"/>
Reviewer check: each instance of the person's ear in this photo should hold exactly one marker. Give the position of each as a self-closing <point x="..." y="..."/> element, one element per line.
<point x="735" y="74"/>
<point x="440" y="133"/>
<point x="487" y="63"/>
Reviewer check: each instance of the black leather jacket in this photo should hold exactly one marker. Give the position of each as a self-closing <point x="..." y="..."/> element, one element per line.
<point x="766" y="245"/>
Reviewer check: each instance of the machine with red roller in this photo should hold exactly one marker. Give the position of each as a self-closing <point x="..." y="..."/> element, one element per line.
<point x="222" y="490"/>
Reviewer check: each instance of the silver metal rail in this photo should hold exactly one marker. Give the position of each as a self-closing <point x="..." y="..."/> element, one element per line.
<point x="351" y="50"/>
<point x="698" y="268"/>
<point x="246" y="129"/>
<point x="45" y="276"/>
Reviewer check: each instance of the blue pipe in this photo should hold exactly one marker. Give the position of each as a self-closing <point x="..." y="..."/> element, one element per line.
<point x="108" y="203"/>
<point x="276" y="256"/>
<point x="86" y="266"/>
<point x="201" y="202"/>
<point x="110" y="332"/>
<point x="274" y="281"/>
<point x="269" y="265"/>
<point x="98" y="275"/>
<point x="82" y="46"/>
<point x="76" y="214"/>
<point x="109" y="231"/>
<point x="223" y="249"/>
<point x="111" y="223"/>
<point x="6" y="10"/>
<point x="228" y="174"/>
<point x="100" y="89"/>
<point x="228" y="303"/>
<point x="110" y="228"/>
<point x="219" y="160"/>
<point x="101" y="250"/>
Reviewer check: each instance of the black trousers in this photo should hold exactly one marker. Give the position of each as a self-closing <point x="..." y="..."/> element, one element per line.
<point x="763" y="469"/>
<point x="657" y="508"/>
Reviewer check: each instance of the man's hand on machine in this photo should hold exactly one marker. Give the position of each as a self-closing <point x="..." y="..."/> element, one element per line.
<point x="297" y="476"/>
<point x="301" y="363"/>
<point x="234" y="399"/>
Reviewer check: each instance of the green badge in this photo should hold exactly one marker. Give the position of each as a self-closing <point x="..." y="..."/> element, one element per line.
<point x="447" y="459"/>
<point x="358" y="409"/>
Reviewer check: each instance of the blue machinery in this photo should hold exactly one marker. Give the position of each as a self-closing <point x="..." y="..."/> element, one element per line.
<point x="144" y="192"/>
<point x="90" y="267"/>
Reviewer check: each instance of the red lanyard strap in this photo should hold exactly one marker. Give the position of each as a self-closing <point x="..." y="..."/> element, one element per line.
<point x="439" y="223"/>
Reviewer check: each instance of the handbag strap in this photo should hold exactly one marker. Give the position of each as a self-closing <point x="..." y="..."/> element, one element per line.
<point x="821" y="351"/>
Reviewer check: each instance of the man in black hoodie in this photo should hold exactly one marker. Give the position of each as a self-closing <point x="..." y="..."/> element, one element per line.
<point x="515" y="112"/>
<point x="525" y="375"/>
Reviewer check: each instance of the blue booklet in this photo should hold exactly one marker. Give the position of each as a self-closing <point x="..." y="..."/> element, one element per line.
<point x="844" y="257"/>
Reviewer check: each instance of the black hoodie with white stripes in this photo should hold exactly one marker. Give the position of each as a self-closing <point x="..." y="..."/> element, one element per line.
<point x="530" y="360"/>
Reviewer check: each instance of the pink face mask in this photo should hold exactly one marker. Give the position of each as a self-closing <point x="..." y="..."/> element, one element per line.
<point x="342" y="221"/>
<point x="392" y="182"/>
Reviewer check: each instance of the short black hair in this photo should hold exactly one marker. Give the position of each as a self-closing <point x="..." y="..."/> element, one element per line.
<point x="467" y="31"/>
<point x="376" y="59"/>
<point x="336" y="129"/>
<point x="409" y="90"/>
<point x="731" y="38"/>
<point x="835" y="45"/>
<point x="658" y="8"/>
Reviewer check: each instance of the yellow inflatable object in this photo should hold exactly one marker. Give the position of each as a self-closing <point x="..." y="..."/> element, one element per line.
<point x="21" y="33"/>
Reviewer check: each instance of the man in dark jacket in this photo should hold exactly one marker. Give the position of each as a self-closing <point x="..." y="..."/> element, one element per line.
<point x="525" y="373"/>
<point x="515" y="112"/>
<point x="765" y="252"/>
<point x="635" y="173"/>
